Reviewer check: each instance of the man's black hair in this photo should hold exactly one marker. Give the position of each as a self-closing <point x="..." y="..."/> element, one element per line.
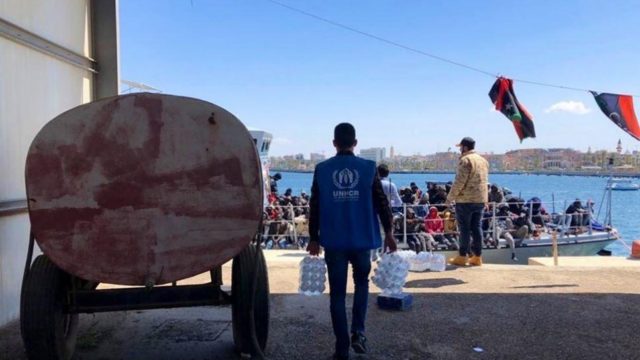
<point x="383" y="170"/>
<point x="344" y="135"/>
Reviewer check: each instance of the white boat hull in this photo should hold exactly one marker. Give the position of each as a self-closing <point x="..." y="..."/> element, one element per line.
<point x="581" y="245"/>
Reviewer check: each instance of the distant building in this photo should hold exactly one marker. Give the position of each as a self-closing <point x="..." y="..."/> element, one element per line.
<point x="392" y="152"/>
<point x="536" y="159"/>
<point x="316" y="157"/>
<point x="444" y="160"/>
<point x="299" y="157"/>
<point x="375" y="154"/>
<point x="619" y="147"/>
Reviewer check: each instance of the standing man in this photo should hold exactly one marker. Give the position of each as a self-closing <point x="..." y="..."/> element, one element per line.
<point x="346" y="201"/>
<point x="389" y="188"/>
<point x="469" y="193"/>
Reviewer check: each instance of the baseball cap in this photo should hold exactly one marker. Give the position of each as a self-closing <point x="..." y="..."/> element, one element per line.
<point x="467" y="141"/>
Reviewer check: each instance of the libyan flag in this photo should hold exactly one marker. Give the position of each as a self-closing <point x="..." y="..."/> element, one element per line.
<point x="619" y="109"/>
<point x="504" y="98"/>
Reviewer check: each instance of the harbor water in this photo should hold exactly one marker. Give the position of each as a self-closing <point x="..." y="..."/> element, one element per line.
<point x="565" y="189"/>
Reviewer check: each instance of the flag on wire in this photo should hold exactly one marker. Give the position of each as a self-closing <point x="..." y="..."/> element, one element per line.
<point x="619" y="109"/>
<point x="505" y="101"/>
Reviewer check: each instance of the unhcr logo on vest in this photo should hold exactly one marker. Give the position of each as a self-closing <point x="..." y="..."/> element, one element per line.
<point x="345" y="181"/>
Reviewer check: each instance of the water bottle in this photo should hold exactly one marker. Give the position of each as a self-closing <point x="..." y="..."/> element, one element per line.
<point x="391" y="273"/>
<point x="437" y="263"/>
<point x="313" y="271"/>
<point x="420" y="262"/>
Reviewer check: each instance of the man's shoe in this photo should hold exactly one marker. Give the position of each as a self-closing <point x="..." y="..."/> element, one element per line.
<point x="359" y="343"/>
<point x="458" y="261"/>
<point x="475" y="261"/>
<point x="340" y="357"/>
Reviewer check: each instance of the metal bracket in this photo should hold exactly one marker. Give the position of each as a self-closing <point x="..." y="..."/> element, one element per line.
<point x="93" y="301"/>
<point x="24" y="37"/>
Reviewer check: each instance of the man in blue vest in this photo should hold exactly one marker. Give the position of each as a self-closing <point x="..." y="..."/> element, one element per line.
<point x="346" y="200"/>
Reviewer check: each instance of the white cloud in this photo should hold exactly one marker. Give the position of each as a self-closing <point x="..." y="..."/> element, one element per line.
<point x="282" y="141"/>
<point x="573" y="107"/>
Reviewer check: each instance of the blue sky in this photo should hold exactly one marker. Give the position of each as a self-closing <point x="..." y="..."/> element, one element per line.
<point x="297" y="77"/>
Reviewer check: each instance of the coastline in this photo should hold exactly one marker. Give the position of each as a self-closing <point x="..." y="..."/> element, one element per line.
<point x="536" y="172"/>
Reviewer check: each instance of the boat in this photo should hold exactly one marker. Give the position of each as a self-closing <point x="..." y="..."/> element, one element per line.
<point x="262" y="140"/>
<point x="622" y="184"/>
<point x="586" y="240"/>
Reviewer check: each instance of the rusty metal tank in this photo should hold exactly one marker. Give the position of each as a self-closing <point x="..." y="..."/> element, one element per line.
<point x="143" y="188"/>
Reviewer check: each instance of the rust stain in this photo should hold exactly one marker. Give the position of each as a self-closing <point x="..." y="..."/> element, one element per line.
<point x="153" y="106"/>
<point x="61" y="219"/>
<point x="120" y="194"/>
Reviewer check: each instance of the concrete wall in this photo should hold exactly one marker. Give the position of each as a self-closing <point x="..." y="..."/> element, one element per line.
<point x="34" y="88"/>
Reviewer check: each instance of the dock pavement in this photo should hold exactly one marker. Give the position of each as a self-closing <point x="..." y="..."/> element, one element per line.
<point x="571" y="311"/>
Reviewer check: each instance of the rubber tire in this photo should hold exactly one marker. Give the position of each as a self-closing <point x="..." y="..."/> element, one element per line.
<point x="47" y="332"/>
<point x="244" y="268"/>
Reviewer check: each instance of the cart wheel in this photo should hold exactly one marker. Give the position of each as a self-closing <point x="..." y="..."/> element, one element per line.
<point x="245" y="317"/>
<point x="47" y="332"/>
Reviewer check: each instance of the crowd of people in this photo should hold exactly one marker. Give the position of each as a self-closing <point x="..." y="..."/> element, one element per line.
<point x="430" y="222"/>
<point x="285" y="218"/>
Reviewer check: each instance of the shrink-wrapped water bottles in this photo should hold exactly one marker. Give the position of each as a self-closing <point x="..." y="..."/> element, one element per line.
<point x="313" y="272"/>
<point x="424" y="261"/>
<point x="391" y="273"/>
<point x="437" y="263"/>
<point x="420" y="261"/>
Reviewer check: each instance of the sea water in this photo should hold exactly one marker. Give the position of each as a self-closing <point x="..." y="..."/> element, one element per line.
<point x="565" y="189"/>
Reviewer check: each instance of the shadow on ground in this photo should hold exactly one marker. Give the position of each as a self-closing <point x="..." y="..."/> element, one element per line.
<point x="433" y="283"/>
<point x="439" y="326"/>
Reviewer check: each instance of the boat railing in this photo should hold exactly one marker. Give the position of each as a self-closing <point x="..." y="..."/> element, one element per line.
<point x="289" y="223"/>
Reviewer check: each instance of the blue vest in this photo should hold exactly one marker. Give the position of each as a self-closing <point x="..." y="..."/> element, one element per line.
<point x="348" y="220"/>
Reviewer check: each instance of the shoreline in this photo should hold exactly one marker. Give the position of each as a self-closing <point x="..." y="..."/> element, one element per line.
<point x="537" y="172"/>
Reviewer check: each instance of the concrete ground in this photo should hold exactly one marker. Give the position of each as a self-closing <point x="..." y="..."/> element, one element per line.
<point x="507" y="312"/>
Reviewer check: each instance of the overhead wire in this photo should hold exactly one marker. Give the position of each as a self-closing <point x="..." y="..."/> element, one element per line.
<point x="381" y="39"/>
<point x="420" y="52"/>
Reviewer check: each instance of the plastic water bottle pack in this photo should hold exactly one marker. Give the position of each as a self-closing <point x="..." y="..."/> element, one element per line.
<point x="391" y="273"/>
<point x="313" y="272"/>
<point x="437" y="263"/>
<point x="420" y="261"/>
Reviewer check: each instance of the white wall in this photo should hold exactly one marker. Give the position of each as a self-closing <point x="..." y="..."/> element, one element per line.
<point x="34" y="88"/>
<point x="13" y="252"/>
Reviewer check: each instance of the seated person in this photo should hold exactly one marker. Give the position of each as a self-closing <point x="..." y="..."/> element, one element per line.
<point x="434" y="226"/>
<point x="416" y="237"/>
<point x="412" y="228"/>
<point x="440" y="198"/>
<point x="422" y="208"/>
<point x="431" y="191"/>
<point x="417" y="193"/>
<point x="516" y="205"/>
<point x="495" y="195"/>
<point x="519" y="215"/>
<point x="538" y="213"/>
<point x="407" y="196"/>
<point x="579" y="214"/>
<point x="450" y="229"/>
<point x="504" y="229"/>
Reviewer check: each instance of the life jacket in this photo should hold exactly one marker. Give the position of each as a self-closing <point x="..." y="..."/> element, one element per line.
<point x="348" y="220"/>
